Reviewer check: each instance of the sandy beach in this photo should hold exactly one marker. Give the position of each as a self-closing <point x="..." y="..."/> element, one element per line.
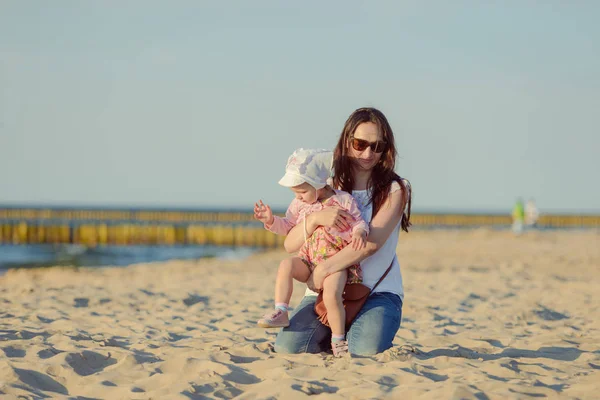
<point x="487" y="315"/>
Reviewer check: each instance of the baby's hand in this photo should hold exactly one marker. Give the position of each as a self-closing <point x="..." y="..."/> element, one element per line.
<point x="359" y="239"/>
<point x="263" y="213"/>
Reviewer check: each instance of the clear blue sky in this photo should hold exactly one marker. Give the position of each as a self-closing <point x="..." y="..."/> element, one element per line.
<point x="199" y="104"/>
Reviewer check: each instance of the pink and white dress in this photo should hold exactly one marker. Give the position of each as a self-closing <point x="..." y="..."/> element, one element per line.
<point x="325" y="241"/>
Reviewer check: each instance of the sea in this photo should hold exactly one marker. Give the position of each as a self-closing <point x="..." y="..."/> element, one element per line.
<point x="47" y="255"/>
<point x="27" y="256"/>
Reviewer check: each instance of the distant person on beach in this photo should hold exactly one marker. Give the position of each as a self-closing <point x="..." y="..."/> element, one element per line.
<point x="518" y="216"/>
<point x="363" y="164"/>
<point x="532" y="214"/>
<point x="306" y="174"/>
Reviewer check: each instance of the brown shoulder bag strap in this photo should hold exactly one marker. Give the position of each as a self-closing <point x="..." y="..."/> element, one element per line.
<point x="384" y="275"/>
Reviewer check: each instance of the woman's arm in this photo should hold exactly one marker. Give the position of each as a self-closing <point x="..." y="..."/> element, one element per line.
<point x="330" y="216"/>
<point x="382" y="226"/>
<point x="295" y="238"/>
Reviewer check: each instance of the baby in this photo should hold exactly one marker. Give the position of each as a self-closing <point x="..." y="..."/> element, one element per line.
<point x="307" y="173"/>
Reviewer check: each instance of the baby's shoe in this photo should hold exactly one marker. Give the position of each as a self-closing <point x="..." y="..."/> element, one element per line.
<point x="274" y="319"/>
<point x="339" y="348"/>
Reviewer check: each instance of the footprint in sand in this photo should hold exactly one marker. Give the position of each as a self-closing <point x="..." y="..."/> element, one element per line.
<point x="81" y="302"/>
<point x="89" y="362"/>
<point x="13" y="352"/>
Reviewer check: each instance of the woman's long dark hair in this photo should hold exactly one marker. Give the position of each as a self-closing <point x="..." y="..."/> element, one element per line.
<point x="382" y="174"/>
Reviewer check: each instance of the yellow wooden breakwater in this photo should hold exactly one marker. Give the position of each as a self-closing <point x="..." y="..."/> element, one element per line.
<point x="467" y="220"/>
<point x="203" y="217"/>
<point x="39" y="214"/>
<point x="168" y="227"/>
<point x="98" y="234"/>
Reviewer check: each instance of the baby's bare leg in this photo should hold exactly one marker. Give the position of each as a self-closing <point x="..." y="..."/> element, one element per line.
<point x="333" y="287"/>
<point x="289" y="269"/>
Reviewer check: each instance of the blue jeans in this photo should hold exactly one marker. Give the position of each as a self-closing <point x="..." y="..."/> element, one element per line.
<point x="372" y="331"/>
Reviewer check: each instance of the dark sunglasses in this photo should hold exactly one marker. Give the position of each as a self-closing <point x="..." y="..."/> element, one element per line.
<point x="361" y="145"/>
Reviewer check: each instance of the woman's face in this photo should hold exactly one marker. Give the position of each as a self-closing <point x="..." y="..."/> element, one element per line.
<point x="367" y="158"/>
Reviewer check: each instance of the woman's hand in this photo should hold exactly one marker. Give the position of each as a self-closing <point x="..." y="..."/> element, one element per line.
<point x="333" y="217"/>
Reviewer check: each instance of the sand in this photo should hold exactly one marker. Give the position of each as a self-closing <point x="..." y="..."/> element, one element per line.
<point x="486" y="315"/>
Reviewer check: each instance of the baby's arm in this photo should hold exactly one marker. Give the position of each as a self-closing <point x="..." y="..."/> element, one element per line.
<point x="359" y="239"/>
<point x="281" y="226"/>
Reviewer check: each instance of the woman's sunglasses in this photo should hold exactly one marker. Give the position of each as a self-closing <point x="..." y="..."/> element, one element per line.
<point x="361" y="145"/>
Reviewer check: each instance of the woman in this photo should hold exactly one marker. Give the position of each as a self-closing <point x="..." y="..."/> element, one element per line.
<point x="364" y="161"/>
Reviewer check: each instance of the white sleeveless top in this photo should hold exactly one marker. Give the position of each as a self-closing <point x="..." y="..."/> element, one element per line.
<point x="374" y="267"/>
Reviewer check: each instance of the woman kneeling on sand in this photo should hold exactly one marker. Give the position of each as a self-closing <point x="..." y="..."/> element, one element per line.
<point x="364" y="161"/>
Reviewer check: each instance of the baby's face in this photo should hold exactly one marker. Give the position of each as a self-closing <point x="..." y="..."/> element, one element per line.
<point x="305" y="193"/>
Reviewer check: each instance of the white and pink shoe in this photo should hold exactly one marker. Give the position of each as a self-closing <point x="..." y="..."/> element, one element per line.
<point x="274" y="319"/>
<point x="339" y="348"/>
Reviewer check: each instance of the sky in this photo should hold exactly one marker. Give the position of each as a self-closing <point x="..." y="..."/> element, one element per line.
<point x="199" y="104"/>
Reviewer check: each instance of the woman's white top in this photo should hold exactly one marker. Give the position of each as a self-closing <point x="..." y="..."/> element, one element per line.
<point x="374" y="267"/>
